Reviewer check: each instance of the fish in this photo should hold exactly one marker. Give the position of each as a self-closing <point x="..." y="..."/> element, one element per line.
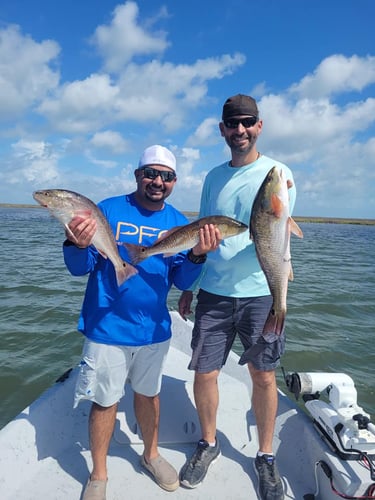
<point x="184" y="237"/>
<point x="270" y="228"/>
<point x="64" y="205"/>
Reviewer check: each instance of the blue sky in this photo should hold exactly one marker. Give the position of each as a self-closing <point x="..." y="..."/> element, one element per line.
<point x="86" y="85"/>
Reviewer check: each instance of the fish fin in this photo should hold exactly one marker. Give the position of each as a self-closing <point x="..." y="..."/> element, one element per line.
<point x="166" y="254"/>
<point x="165" y="234"/>
<point x="135" y="252"/>
<point x="104" y="255"/>
<point x="294" y="228"/>
<point x="125" y="272"/>
<point x="68" y="230"/>
<point x="277" y="205"/>
<point x="274" y="324"/>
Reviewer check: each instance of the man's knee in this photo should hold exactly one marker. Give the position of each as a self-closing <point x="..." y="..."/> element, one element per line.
<point x="262" y="378"/>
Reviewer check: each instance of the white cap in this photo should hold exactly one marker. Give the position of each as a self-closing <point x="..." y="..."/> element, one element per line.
<point x="157" y="155"/>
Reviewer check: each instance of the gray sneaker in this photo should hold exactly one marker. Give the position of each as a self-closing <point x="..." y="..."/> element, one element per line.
<point x="195" y="469"/>
<point x="270" y="486"/>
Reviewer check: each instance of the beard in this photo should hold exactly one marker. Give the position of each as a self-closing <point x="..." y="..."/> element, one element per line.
<point x="241" y="144"/>
<point x="154" y="195"/>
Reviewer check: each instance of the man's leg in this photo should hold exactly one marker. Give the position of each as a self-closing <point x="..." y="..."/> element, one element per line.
<point x="206" y="395"/>
<point x="264" y="405"/>
<point x="101" y="425"/>
<point x="147" y="411"/>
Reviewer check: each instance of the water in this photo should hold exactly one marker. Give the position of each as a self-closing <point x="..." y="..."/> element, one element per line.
<point x="330" y="321"/>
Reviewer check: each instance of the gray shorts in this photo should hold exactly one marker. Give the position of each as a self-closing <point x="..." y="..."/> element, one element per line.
<point x="105" y="369"/>
<point x="219" y="319"/>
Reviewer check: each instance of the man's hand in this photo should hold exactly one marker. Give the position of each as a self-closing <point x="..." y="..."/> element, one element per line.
<point x="184" y="304"/>
<point x="81" y="231"/>
<point x="209" y="240"/>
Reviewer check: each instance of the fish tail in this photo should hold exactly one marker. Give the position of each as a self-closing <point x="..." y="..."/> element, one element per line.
<point x="125" y="272"/>
<point x="136" y="252"/>
<point x="274" y="323"/>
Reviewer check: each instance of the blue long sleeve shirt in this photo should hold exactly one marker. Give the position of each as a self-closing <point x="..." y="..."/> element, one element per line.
<point x="136" y="313"/>
<point x="233" y="269"/>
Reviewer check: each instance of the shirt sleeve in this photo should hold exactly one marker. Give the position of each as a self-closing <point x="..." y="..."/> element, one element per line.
<point x="185" y="272"/>
<point x="292" y="193"/>
<point x="80" y="261"/>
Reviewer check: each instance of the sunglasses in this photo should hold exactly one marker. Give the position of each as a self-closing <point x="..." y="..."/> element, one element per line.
<point x="246" y="122"/>
<point x="152" y="173"/>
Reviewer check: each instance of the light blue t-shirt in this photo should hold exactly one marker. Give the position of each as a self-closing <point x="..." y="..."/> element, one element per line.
<point x="233" y="269"/>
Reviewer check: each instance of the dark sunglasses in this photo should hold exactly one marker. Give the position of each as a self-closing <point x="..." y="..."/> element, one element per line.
<point x="152" y="173"/>
<point x="246" y="122"/>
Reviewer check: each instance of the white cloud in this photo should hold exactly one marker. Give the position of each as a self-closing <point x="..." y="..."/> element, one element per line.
<point x="124" y="38"/>
<point x="81" y="106"/>
<point x="34" y="162"/>
<point x="110" y="140"/>
<point x="299" y="130"/>
<point x="186" y="194"/>
<point x="162" y="92"/>
<point x="167" y="92"/>
<point x="26" y="75"/>
<point x="337" y="74"/>
<point x="207" y="133"/>
<point x="101" y="163"/>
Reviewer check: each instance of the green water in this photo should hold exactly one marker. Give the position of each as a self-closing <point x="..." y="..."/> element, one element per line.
<point x="330" y="321"/>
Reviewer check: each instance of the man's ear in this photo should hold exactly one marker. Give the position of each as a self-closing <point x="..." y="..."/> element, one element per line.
<point x="221" y="127"/>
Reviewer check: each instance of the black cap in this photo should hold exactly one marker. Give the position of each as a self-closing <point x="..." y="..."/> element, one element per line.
<point x="239" y="105"/>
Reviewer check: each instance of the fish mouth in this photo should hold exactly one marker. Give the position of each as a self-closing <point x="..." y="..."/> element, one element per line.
<point x="41" y="203"/>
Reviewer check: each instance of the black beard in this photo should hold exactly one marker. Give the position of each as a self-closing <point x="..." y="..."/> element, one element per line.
<point x="252" y="139"/>
<point x="152" y="199"/>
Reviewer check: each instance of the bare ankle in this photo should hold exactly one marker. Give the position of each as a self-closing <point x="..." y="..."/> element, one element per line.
<point x="95" y="476"/>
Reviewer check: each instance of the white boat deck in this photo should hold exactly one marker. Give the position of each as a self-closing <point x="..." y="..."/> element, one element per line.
<point x="44" y="452"/>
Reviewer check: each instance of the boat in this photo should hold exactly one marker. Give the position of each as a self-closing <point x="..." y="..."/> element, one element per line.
<point x="325" y="449"/>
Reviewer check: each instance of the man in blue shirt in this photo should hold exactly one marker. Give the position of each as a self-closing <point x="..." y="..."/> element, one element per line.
<point x="234" y="298"/>
<point x="128" y="327"/>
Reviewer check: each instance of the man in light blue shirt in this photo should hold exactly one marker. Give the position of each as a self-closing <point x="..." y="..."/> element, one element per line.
<point x="234" y="298"/>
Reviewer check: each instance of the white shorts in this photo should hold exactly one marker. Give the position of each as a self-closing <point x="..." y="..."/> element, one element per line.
<point x="105" y="369"/>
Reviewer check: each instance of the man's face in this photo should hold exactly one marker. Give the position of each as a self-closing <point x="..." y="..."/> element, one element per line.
<point x="155" y="183"/>
<point x="241" y="132"/>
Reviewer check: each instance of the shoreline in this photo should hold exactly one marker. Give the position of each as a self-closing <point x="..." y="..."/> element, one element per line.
<point x="297" y="218"/>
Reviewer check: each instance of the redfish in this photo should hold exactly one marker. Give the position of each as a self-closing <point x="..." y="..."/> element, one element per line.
<point x="270" y="229"/>
<point x="64" y="205"/>
<point x="185" y="237"/>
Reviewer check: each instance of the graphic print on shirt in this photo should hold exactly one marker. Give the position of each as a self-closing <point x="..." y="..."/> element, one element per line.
<point x="143" y="233"/>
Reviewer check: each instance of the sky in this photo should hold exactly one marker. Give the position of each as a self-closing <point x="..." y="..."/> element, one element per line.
<point x="86" y="85"/>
